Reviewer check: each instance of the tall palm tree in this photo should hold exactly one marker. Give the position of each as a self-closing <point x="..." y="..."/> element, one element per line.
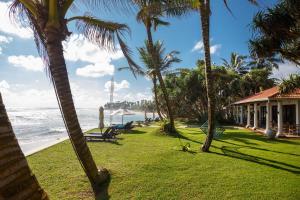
<point x="149" y="14"/>
<point x="17" y="180"/>
<point x="203" y="7"/>
<point x="49" y="21"/>
<point x="237" y="63"/>
<point x="158" y="68"/>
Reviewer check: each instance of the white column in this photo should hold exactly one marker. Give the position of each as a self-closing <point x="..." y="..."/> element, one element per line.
<point x="298" y="112"/>
<point x="255" y="116"/>
<point x="241" y="114"/>
<point x="279" y="119"/>
<point x="268" y="118"/>
<point x="237" y="114"/>
<point x="248" y="115"/>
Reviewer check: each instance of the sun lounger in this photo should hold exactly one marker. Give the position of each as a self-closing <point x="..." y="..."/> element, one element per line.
<point x="109" y="134"/>
<point x="128" y="126"/>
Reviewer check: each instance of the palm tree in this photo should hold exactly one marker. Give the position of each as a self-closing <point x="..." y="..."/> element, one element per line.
<point x="149" y="14"/>
<point x="49" y="22"/>
<point x="203" y="7"/>
<point x="17" y="180"/>
<point x="290" y="84"/>
<point x="158" y="69"/>
<point x="277" y="32"/>
<point x="237" y="63"/>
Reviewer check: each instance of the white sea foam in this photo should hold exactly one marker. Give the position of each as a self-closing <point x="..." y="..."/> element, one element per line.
<point x="37" y="128"/>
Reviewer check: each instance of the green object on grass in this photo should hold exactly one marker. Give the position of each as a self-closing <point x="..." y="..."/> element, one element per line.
<point x="219" y="130"/>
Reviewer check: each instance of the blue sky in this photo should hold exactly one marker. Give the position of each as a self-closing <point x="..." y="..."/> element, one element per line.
<point x="24" y="83"/>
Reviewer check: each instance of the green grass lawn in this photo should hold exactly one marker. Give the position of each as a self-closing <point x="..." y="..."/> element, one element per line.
<point x="146" y="165"/>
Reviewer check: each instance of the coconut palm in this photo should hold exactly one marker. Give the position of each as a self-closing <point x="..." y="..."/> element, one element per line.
<point x="237" y="63"/>
<point x="157" y="69"/>
<point x="17" y="180"/>
<point x="203" y="7"/>
<point x="289" y="84"/>
<point x="150" y="14"/>
<point x="277" y="32"/>
<point x="49" y="22"/>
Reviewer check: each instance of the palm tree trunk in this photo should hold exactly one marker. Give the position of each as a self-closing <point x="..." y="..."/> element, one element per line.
<point x="17" y="180"/>
<point x="62" y="88"/>
<point x="165" y="93"/>
<point x="156" y="98"/>
<point x="160" y="79"/>
<point x="205" y="15"/>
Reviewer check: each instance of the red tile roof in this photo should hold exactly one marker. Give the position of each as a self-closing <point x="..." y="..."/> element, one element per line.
<point x="272" y="93"/>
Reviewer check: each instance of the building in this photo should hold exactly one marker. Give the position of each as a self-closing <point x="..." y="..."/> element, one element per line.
<point x="269" y="111"/>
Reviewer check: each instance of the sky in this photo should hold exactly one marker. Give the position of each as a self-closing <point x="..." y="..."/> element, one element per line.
<point x="24" y="82"/>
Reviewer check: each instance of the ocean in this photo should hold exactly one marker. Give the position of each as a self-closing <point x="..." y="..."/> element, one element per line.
<point x="39" y="127"/>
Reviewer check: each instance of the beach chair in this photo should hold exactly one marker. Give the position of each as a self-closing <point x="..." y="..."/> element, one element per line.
<point x="109" y="134"/>
<point x="126" y="127"/>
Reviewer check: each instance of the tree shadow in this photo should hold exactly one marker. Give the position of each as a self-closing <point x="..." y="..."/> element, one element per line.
<point x="245" y="137"/>
<point x="134" y="132"/>
<point x="102" y="193"/>
<point x="106" y="141"/>
<point x="257" y="148"/>
<point x="234" y="153"/>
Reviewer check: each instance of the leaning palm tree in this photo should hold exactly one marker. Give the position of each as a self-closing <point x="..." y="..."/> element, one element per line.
<point x="49" y="22"/>
<point x="17" y="180"/>
<point x="150" y="14"/>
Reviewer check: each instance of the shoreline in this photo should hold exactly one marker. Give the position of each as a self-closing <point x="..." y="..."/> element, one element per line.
<point x="46" y="146"/>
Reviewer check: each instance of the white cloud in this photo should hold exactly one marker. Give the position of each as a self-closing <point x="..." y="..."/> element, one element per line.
<point x="30" y="62"/>
<point x="77" y="48"/>
<point x="215" y="48"/>
<point x="96" y="70"/>
<point x="200" y="47"/>
<point x="285" y="69"/>
<point x="4" y="85"/>
<point x="4" y="40"/>
<point x="136" y="96"/>
<point x="7" y="26"/>
<point x="124" y="84"/>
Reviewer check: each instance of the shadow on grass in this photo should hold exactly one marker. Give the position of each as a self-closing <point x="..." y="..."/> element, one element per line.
<point x="103" y="194"/>
<point x="257" y="148"/>
<point x="134" y="132"/>
<point x="244" y="137"/>
<point x="234" y="153"/>
<point x="106" y="141"/>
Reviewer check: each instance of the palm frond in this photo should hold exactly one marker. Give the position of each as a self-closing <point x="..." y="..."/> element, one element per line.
<point x="109" y="5"/>
<point x="100" y="32"/>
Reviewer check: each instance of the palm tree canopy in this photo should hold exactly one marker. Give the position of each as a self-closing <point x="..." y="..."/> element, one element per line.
<point x="277" y="33"/>
<point x="43" y="14"/>
<point x="237" y="63"/>
<point x="161" y="62"/>
<point x="290" y="84"/>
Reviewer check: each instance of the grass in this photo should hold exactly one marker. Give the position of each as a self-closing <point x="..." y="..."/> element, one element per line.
<point x="146" y="165"/>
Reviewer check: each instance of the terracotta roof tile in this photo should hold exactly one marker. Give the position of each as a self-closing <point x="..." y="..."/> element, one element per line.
<point x="272" y="93"/>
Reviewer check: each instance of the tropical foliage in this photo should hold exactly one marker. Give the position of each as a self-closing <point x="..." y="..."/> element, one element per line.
<point x="189" y="86"/>
<point x="290" y="84"/>
<point x="277" y="32"/>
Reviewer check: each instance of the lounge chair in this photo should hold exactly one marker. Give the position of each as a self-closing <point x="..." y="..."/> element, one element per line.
<point x="109" y="134"/>
<point x="127" y="127"/>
